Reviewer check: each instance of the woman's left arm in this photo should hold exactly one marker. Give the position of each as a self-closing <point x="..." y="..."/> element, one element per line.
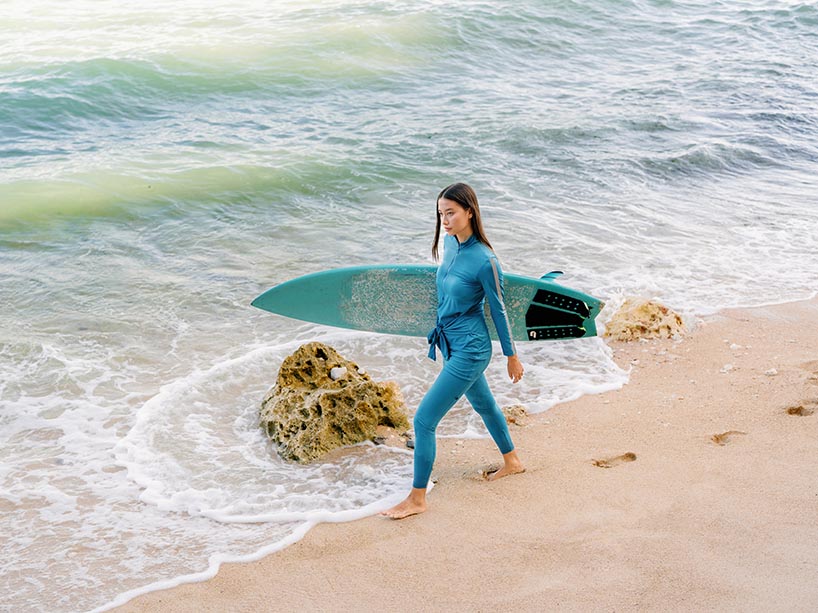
<point x="515" y="368"/>
<point x="491" y="278"/>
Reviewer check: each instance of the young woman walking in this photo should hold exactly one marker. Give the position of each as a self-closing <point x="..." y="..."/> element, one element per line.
<point x="468" y="275"/>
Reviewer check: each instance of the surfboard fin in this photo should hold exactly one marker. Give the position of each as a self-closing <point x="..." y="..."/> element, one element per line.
<point x="550" y="276"/>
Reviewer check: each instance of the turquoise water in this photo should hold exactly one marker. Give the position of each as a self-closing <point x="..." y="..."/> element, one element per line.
<point x="162" y="164"/>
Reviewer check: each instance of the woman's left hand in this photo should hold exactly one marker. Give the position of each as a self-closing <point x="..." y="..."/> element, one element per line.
<point x="515" y="368"/>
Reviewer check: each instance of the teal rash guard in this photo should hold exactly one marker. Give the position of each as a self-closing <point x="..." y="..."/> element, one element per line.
<point x="468" y="275"/>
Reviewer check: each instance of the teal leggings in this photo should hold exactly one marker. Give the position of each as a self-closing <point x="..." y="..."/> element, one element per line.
<point x="461" y="374"/>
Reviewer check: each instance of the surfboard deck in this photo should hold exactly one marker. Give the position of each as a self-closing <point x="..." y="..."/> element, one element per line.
<point x="402" y="299"/>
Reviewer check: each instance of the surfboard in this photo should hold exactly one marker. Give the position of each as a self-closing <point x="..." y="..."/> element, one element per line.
<point x="402" y="299"/>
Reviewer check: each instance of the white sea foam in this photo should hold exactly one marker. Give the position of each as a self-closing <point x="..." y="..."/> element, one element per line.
<point x="169" y="452"/>
<point x="193" y="454"/>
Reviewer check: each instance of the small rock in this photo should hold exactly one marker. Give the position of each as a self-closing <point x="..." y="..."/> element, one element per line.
<point x="726" y="368"/>
<point x="515" y="414"/>
<point x="339" y="372"/>
<point x="771" y="373"/>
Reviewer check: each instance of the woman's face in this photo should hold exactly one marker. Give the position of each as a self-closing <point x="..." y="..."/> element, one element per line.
<point x="454" y="218"/>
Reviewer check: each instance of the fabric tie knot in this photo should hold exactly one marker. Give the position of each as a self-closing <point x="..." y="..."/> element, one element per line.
<point x="437" y="337"/>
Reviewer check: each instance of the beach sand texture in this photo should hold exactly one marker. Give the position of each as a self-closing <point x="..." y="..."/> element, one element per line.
<point x="691" y="488"/>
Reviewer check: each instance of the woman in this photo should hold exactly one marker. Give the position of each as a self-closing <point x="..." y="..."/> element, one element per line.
<point x="468" y="274"/>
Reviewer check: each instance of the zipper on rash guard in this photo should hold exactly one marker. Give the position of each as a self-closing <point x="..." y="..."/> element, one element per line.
<point x="454" y="259"/>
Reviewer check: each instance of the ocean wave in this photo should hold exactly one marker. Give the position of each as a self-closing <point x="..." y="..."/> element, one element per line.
<point x="709" y="159"/>
<point x="58" y="88"/>
<point x="125" y="193"/>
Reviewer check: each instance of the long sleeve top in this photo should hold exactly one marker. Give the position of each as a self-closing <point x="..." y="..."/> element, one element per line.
<point x="468" y="275"/>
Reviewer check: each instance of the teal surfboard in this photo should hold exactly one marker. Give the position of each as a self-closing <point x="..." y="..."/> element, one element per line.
<point x="402" y="299"/>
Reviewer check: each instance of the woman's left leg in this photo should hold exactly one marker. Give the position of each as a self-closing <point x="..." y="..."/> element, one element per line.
<point x="481" y="398"/>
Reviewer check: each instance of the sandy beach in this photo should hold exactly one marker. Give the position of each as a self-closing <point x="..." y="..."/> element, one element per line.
<point x="628" y="503"/>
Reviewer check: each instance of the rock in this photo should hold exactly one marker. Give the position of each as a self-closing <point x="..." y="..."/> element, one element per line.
<point x="639" y="319"/>
<point x="322" y="401"/>
<point x="515" y="414"/>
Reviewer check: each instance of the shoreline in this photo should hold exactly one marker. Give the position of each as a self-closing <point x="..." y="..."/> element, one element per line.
<point x="685" y="521"/>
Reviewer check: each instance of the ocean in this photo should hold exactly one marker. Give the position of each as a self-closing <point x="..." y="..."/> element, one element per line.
<point x="162" y="163"/>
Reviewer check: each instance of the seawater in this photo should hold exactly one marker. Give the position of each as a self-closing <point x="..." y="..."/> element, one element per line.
<point x="163" y="163"/>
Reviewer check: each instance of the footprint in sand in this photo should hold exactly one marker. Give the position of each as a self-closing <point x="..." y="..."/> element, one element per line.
<point x="802" y="410"/>
<point x="615" y="461"/>
<point x="483" y="474"/>
<point x="724" y="438"/>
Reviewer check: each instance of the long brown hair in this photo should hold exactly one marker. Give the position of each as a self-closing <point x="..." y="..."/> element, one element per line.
<point x="463" y="195"/>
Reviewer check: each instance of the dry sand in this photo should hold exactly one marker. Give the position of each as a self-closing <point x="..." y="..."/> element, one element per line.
<point x="690" y="524"/>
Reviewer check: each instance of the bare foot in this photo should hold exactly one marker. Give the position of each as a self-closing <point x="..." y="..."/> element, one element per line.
<point x="505" y="471"/>
<point x="511" y="466"/>
<point x="414" y="504"/>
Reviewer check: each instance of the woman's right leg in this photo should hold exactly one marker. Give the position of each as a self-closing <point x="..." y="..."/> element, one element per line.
<point x="441" y="397"/>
